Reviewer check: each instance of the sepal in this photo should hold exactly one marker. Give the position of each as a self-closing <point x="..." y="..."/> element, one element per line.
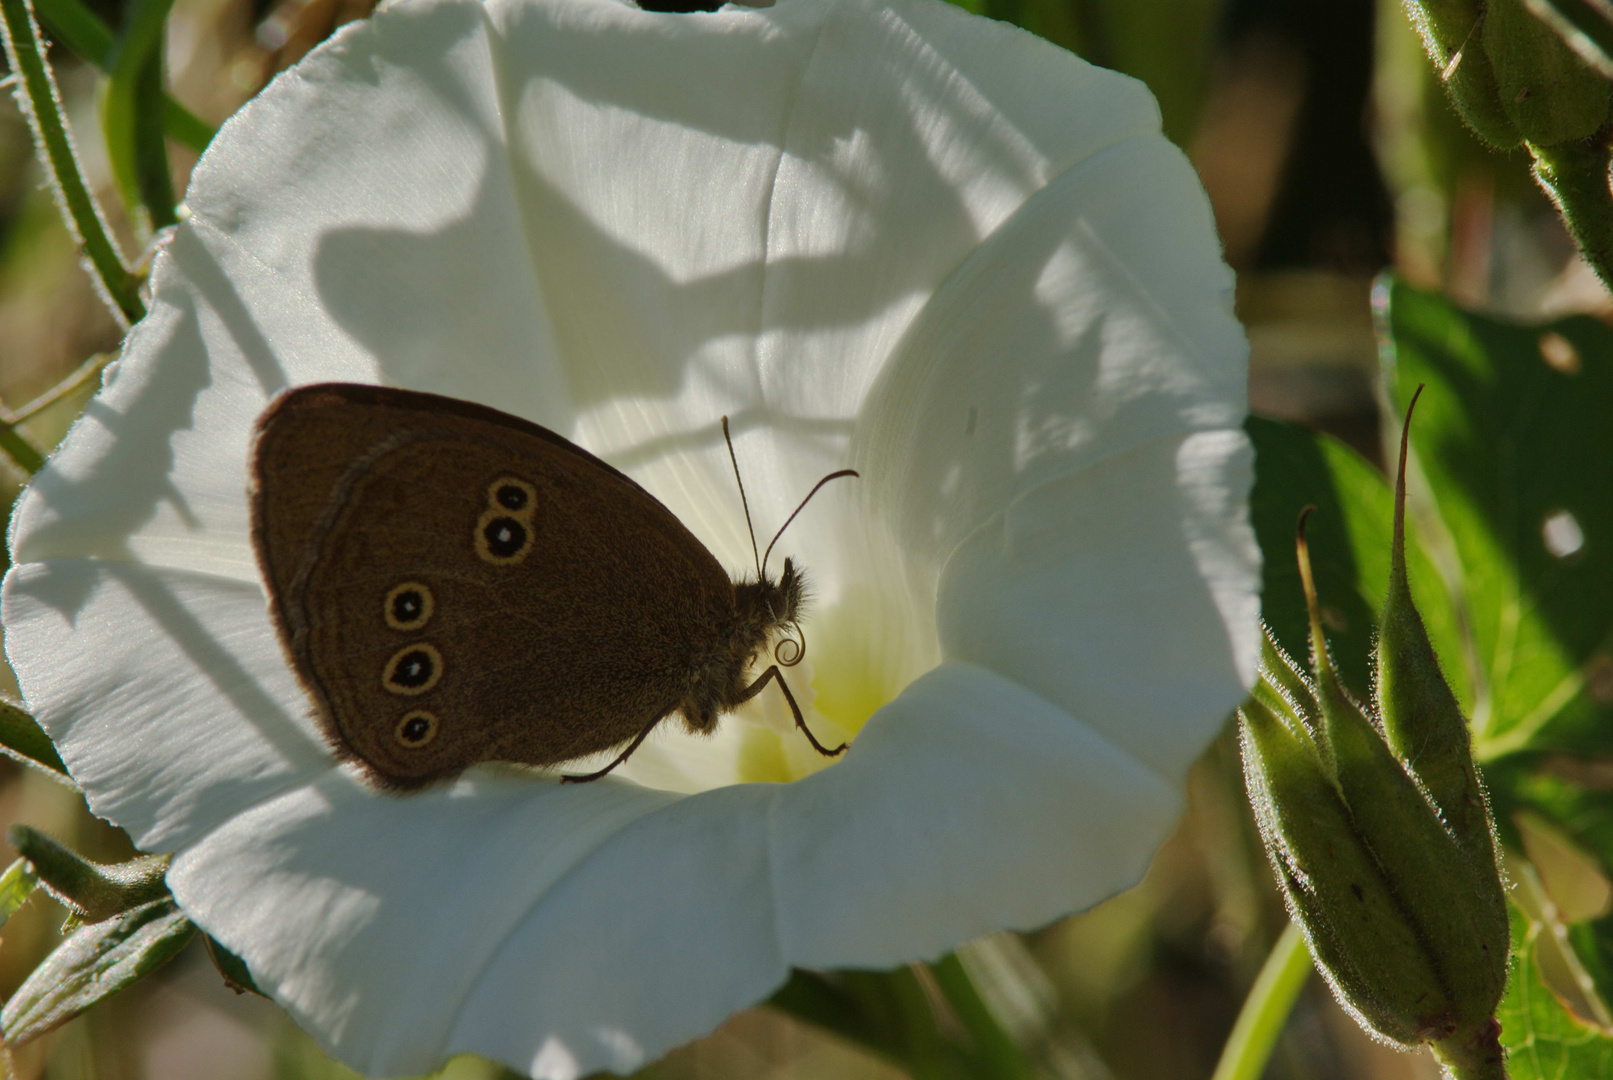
<point x="1548" y="92"/>
<point x="93" y="964"/>
<point x="92" y="891"/>
<point x="22" y="739"/>
<point x="1422" y="720"/>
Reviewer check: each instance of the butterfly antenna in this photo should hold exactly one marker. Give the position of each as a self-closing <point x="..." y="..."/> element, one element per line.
<point x="742" y="500"/>
<point x="816" y="487"/>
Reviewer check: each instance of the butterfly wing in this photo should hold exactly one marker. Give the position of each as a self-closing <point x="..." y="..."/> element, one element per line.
<point x="456" y="585"/>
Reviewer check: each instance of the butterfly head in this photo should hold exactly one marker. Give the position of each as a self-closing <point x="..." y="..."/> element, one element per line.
<point x="768" y="606"/>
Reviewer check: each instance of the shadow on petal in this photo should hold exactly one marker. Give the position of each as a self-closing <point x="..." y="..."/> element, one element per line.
<point x="221" y="293"/>
<point x="253" y="703"/>
<point x="127" y="475"/>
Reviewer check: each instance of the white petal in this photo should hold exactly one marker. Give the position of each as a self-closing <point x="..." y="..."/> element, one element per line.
<point x="164" y="692"/>
<point x="968" y="804"/>
<point x="1068" y="338"/>
<point x="1091" y="591"/>
<point x="136" y="479"/>
<point x="402" y="252"/>
<point x="917" y="132"/>
<point x="417" y="280"/>
<point x="653" y="940"/>
<point x="595" y="927"/>
<point x="559" y="928"/>
<point x="1070" y="335"/>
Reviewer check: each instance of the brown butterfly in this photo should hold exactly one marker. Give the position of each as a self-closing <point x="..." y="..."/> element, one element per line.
<point x="456" y="585"/>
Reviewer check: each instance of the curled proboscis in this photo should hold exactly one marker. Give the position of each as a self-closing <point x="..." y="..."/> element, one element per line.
<point x="791" y="650"/>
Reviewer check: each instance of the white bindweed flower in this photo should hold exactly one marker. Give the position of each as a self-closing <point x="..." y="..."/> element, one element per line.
<point x="884" y="235"/>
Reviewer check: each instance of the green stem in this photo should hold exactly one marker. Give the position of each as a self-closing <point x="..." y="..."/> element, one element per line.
<point x="22" y="452"/>
<point x="816" y="1000"/>
<point x="95" y="891"/>
<point x="999" y="1055"/>
<point x="42" y="105"/>
<point x="133" y="114"/>
<point x="81" y="30"/>
<point x="1266" y="1008"/>
<point x="1473" y="1053"/>
<point x="19" y="449"/>
<point x="1575" y="175"/>
<point x="86" y="371"/>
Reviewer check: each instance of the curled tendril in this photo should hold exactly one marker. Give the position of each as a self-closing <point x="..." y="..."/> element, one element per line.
<point x="792" y="649"/>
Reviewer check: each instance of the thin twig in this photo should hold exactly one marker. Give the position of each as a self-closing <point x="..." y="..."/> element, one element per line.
<point x="84" y="373"/>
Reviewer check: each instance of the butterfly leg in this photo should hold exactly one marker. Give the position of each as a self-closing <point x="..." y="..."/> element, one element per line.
<point x="795" y="710"/>
<point x="568" y="778"/>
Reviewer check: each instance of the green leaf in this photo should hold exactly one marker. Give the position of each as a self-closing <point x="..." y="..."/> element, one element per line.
<point x="1512" y="436"/>
<point x="1349" y="538"/>
<point x="22" y="738"/>
<point x="1558" y="791"/>
<point x="1543" y="1039"/>
<point x="1555" y="791"/>
<point x="92" y="965"/>
<point x="16" y="885"/>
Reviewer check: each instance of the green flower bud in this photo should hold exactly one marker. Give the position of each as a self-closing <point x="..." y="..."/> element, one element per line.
<point x="1366" y="947"/>
<point x="1439" y="883"/>
<point x="1546" y="89"/>
<point x="1378" y="828"/>
<point x="1452" y="36"/>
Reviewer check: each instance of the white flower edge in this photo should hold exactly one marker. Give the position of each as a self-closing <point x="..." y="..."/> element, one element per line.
<point x="226" y="768"/>
<point x="695" y="907"/>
